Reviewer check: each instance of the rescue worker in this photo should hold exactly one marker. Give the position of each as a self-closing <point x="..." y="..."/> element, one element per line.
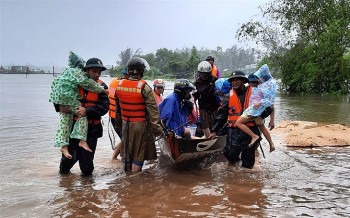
<point x="214" y="70"/>
<point x="139" y="114"/>
<point x="230" y="110"/>
<point x="93" y="106"/>
<point x="259" y="95"/>
<point x="112" y="110"/>
<point x="64" y="91"/>
<point x="158" y="89"/>
<point x="176" y="107"/>
<point x="208" y="100"/>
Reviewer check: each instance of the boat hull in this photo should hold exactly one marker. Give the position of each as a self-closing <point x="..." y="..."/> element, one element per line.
<point x="182" y="152"/>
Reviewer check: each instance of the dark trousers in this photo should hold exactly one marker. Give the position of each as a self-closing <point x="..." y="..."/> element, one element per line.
<point x="237" y="149"/>
<point x="78" y="153"/>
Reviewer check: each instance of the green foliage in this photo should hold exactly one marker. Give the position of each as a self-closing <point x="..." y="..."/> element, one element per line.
<point x="226" y="74"/>
<point x="318" y="33"/>
<point x="170" y="64"/>
<point x="126" y="55"/>
<point x="345" y="66"/>
<point x="193" y="60"/>
<point x="116" y="71"/>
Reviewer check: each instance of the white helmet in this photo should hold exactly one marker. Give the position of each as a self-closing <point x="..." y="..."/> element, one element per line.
<point x="204" y="67"/>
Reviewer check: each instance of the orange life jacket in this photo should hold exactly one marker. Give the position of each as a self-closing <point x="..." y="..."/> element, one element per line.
<point x="214" y="71"/>
<point x="131" y="101"/>
<point x="235" y="107"/>
<point x="89" y="99"/>
<point x="111" y="97"/>
<point x="158" y="98"/>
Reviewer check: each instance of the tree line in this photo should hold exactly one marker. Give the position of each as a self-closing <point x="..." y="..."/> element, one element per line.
<point x="171" y="64"/>
<point x="305" y="43"/>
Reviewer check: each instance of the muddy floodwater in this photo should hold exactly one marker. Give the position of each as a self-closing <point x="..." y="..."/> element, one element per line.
<point x="289" y="182"/>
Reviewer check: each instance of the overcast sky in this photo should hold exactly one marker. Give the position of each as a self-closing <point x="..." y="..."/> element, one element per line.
<point x="42" y="32"/>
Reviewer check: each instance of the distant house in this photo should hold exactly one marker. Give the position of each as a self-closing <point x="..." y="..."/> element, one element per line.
<point x="19" y="69"/>
<point x="3" y="70"/>
<point x="38" y="71"/>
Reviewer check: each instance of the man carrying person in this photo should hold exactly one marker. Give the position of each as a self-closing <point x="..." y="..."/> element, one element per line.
<point x="93" y="106"/>
<point x="229" y="112"/>
<point x="259" y="120"/>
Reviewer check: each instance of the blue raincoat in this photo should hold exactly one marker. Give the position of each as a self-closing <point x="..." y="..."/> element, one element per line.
<point x="223" y="85"/>
<point x="264" y="93"/>
<point x="173" y="113"/>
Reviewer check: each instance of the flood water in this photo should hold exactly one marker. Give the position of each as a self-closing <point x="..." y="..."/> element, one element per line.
<point x="289" y="182"/>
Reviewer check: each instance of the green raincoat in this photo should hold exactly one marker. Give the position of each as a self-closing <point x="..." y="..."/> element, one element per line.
<point x="64" y="91"/>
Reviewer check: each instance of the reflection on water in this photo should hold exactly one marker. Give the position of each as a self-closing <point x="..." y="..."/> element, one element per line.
<point x="215" y="191"/>
<point x="288" y="182"/>
<point x="315" y="108"/>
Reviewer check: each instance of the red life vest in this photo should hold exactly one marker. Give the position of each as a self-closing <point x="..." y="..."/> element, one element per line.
<point x="131" y="101"/>
<point x="111" y="97"/>
<point x="235" y="107"/>
<point x="214" y="71"/>
<point x="158" y="98"/>
<point x="89" y="99"/>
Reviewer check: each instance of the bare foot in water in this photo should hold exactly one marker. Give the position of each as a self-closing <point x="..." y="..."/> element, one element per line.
<point x="272" y="147"/>
<point x="84" y="145"/>
<point x="64" y="150"/>
<point x="254" y="139"/>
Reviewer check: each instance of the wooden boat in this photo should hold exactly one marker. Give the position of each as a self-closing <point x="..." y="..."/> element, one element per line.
<point x="182" y="152"/>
